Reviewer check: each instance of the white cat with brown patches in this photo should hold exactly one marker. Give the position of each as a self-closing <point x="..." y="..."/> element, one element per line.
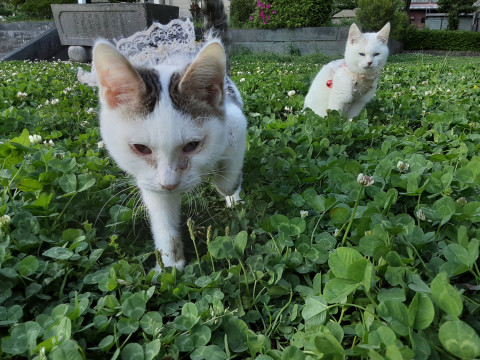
<point x="172" y="126"/>
<point x="348" y="84"/>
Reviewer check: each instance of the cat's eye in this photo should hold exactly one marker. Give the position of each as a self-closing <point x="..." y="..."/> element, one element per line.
<point x="141" y="149"/>
<point x="376" y="54"/>
<point x="191" y="146"/>
<point x="361" y="54"/>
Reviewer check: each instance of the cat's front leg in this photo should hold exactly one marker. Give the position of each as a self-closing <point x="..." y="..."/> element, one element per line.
<point x="227" y="179"/>
<point x="357" y="106"/>
<point x="164" y="212"/>
<point x="342" y="92"/>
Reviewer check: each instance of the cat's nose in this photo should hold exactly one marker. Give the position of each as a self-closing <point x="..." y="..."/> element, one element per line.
<point x="369" y="63"/>
<point x="170" y="187"/>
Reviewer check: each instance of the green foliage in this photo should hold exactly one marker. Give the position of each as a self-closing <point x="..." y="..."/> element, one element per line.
<point x="414" y="39"/>
<point x="372" y="15"/>
<point x="313" y="265"/>
<point x="339" y="5"/>
<point x="454" y="8"/>
<point x="296" y="14"/>
<point x="41" y="8"/>
<point x="240" y="11"/>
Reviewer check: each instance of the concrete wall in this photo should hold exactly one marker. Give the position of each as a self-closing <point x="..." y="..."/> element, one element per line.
<point x="324" y="40"/>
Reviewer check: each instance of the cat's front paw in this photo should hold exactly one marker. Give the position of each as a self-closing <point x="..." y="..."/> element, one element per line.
<point x="233" y="200"/>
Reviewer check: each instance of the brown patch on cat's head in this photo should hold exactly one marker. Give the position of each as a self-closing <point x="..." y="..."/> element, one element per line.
<point x="121" y="85"/>
<point x="153" y="87"/>
<point x="199" y="89"/>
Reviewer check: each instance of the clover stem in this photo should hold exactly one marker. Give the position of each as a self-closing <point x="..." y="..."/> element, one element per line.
<point x="245" y="276"/>
<point x="352" y="216"/>
<point x="54" y="226"/>
<point x="191" y="225"/>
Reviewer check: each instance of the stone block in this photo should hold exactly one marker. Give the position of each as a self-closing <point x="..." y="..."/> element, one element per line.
<point x="82" y="24"/>
<point x="80" y="53"/>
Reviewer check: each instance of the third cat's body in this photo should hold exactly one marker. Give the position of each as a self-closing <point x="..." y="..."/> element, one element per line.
<point x="348" y="84"/>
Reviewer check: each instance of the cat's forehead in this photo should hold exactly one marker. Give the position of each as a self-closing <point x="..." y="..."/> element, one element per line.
<point x="369" y="43"/>
<point x="162" y="84"/>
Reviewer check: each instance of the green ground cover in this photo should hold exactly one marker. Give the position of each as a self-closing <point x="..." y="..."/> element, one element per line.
<point x="312" y="266"/>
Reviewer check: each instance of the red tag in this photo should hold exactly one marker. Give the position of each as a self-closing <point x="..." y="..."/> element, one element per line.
<point x="329" y="83"/>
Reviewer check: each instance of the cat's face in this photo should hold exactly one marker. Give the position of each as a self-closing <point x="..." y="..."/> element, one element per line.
<point x="164" y="125"/>
<point x="367" y="53"/>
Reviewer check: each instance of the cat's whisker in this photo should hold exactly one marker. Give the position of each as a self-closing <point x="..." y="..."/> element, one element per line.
<point x="110" y="199"/>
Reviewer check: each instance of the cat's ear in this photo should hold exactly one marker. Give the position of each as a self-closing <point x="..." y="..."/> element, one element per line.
<point x="204" y="77"/>
<point x="354" y="34"/>
<point x="120" y="84"/>
<point x="382" y="35"/>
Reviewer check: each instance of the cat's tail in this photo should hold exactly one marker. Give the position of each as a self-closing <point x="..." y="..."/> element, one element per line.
<point x="216" y="21"/>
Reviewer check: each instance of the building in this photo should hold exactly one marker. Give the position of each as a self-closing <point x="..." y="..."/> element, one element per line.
<point x="424" y="14"/>
<point x="344" y="16"/>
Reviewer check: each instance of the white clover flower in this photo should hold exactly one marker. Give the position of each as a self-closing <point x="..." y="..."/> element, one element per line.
<point x="90" y="111"/>
<point x="396" y="86"/>
<point x="365" y="180"/>
<point x="289" y="108"/>
<point x="291" y="92"/>
<point x="428" y="92"/>
<point x="401" y="165"/>
<point x="5" y="220"/>
<point x="303" y="213"/>
<point x="100" y="144"/>
<point x="425" y="82"/>
<point x="336" y="232"/>
<point x="67" y="90"/>
<point x="35" y="139"/>
<point x="397" y="94"/>
<point x="449" y="91"/>
<point x="54" y="101"/>
<point x="239" y="72"/>
<point x="21" y="95"/>
<point x="242" y="79"/>
<point x="47" y="102"/>
<point x="413" y="88"/>
<point x="461" y="201"/>
<point x="420" y="215"/>
<point x="50" y="143"/>
<point x="39" y="106"/>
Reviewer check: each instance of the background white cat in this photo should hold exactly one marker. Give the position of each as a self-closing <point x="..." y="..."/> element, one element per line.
<point x="172" y="126"/>
<point x="348" y="84"/>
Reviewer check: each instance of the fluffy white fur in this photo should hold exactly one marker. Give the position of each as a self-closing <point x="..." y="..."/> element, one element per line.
<point x="168" y="171"/>
<point x="353" y="80"/>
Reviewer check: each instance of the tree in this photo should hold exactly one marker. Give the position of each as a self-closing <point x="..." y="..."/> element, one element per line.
<point x="454" y="8"/>
<point x="372" y="15"/>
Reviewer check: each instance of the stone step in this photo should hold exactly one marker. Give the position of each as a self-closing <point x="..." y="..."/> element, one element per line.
<point x="14" y="35"/>
<point x="28" y="26"/>
<point x="18" y="34"/>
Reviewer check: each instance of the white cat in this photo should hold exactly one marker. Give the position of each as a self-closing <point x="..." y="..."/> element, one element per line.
<point x="348" y="84"/>
<point x="171" y="126"/>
